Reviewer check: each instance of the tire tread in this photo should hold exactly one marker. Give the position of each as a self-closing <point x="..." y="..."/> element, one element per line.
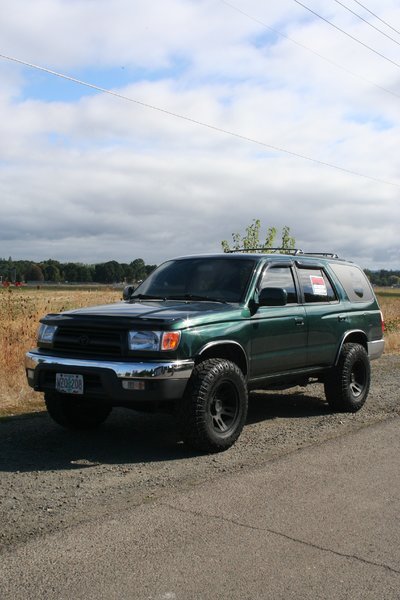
<point x="337" y="390"/>
<point x="192" y="409"/>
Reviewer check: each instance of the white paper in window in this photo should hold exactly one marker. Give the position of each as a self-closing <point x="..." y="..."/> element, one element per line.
<point x="318" y="285"/>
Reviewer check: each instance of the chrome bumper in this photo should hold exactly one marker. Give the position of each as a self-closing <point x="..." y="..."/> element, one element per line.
<point x="177" y="369"/>
<point x="375" y="349"/>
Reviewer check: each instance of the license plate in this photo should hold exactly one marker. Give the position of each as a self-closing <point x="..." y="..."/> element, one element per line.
<point x="69" y="383"/>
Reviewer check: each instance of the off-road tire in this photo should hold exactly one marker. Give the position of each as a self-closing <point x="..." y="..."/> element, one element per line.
<point x="72" y="413"/>
<point x="347" y="386"/>
<point x="213" y="411"/>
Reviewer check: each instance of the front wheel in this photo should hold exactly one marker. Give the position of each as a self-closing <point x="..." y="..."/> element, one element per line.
<point x="347" y="386"/>
<point x="213" y="410"/>
<point x="76" y="414"/>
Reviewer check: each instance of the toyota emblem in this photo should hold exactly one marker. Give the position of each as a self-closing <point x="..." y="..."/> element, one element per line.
<point x="83" y="340"/>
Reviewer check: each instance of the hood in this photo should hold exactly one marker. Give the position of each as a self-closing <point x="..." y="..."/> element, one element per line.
<point x="169" y="311"/>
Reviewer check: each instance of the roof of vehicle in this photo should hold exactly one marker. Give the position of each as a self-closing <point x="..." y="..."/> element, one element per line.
<point x="270" y="253"/>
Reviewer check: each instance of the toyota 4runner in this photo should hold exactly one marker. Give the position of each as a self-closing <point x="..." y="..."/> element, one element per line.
<point x="201" y="331"/>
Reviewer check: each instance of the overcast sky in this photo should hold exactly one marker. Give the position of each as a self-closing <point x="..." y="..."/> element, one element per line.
<point x="86" y="176"/>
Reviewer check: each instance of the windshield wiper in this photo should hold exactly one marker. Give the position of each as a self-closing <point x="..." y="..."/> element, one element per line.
<point x="197" y="297"/>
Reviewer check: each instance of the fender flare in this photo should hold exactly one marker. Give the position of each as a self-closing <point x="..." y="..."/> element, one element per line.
<point x="346" y="335"/>
<point x="234" y="343"/>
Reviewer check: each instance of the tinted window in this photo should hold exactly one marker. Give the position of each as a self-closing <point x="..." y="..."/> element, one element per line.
<point x="316" y="286"/>
<point x="354" y="281"/>
<point x="219" y="278"/>
<point x="280" y="277"/>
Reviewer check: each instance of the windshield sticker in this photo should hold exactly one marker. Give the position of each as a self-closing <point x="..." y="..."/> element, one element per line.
<point x="318" y="286"/>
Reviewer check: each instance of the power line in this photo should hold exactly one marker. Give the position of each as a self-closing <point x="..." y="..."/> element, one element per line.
<point x="367" y="22"/>
<point x="352" y="37"/>
<point x="196" y="122"/>
<point x="376" y="16"/>
<point x="300" y="45"/>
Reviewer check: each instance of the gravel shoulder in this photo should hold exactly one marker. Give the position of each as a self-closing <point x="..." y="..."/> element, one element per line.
<point x="52" y="479"/>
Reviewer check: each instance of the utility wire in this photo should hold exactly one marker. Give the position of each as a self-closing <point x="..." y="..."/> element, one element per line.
<point x="347" y="34"/>
<point x="300" y="45"/>
<point x="377" y="17"/>
<point x="195" y="121"/>
<point x="367" y="22"/>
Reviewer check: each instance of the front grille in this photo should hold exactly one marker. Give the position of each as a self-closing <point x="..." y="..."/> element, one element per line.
<point x="87" y="341"/>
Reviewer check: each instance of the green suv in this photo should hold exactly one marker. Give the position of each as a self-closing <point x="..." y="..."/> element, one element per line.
<point x="201" y="331"/>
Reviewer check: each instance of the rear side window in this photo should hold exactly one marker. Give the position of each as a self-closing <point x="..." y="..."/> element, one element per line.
<point x="354" y="281"/>
<point x="316" y="286"/>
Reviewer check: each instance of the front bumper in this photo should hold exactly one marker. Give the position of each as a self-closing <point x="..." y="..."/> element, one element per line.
<point x="118" y="383"/>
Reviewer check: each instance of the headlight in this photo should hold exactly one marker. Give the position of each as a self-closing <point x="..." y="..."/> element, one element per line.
<point x="153" y="340"/>
<point x="144" y="340"/>
<point x="46" y="333"/>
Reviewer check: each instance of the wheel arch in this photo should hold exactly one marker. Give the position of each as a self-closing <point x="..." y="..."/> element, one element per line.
<point x="356" y="336"/>
<point x="229" y="349"/>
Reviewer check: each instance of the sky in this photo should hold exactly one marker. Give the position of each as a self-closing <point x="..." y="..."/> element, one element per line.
<point x="220" y="113"/>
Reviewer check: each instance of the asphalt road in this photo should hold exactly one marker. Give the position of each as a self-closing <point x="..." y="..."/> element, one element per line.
<point x="319" y="522"/>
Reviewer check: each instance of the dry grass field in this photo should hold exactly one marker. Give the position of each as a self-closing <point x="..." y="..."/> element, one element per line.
<point x="389" y="300"/>
<point x="21" y="309"/>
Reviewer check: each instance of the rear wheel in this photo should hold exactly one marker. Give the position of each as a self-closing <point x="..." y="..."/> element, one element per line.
<point x="213" y="410"/>
<point x="347" y="386"/>
<point x="76" y="414"/>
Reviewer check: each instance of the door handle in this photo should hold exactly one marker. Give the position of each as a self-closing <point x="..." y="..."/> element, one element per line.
<point x="342" y="317"/>
<point x="299" y="321"/>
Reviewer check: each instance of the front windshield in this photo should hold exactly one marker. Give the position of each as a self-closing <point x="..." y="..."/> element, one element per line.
<point x="220" y="279"/>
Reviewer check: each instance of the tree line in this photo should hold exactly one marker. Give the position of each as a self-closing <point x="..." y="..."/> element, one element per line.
<point x="112" y="271"/>
<point x="383" y="277"/>
<point x="115" y="272"/>
<point x="53" y="271"/>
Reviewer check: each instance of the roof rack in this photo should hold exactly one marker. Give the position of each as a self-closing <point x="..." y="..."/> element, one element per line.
<point x="326" y="254"/>
<point x="292" y="251"/>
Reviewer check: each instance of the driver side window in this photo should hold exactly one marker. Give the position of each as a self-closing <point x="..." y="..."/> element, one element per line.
<point x="280" y="277"/>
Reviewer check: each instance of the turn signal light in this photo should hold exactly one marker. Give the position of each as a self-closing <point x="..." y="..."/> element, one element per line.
<point x="170" y="340"/>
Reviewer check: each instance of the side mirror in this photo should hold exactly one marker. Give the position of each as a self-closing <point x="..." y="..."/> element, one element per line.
<point x="272" y="297"/>
<point x="128" y="291"/>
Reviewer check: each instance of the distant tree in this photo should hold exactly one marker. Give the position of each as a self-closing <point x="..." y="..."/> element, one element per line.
<point x="70" y="272"/>
<point x="109" y="272"/>
<point x="394" y="280"/>
<point x="150" y="269"/>
<point x="34" y="273"/>
<point x="100" y="273"/>
<point x="116" y="271"/>
<point x="51" y="273"/>
<point x="139" y="269"/>
<point x="251" y="239"/>
<point x="85" y="273"/>
<point x="127" y="272"/>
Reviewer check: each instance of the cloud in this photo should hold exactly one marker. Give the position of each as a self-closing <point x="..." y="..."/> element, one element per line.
<point x="91" y="177"/>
